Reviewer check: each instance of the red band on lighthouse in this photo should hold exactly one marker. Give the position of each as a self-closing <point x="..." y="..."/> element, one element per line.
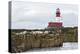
<point x="57" y="12"/>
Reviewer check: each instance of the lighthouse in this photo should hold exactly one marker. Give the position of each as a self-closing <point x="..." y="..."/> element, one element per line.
<point x="58" y="15"/>
<point x="58" y="12"/>
<point x="58" y="22"/>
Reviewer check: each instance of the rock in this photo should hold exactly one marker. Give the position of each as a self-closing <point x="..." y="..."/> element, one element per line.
<point x="36" y="43"/>
<point x="28" y="41"/>
<point x="44" y="43"/>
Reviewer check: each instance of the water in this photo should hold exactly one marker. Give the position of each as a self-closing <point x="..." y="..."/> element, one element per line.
<point x="72" y="45"/>
<point x="66" y="46"/>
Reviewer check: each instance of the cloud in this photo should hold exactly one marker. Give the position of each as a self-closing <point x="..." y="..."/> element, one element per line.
<point x="37" y="15"/>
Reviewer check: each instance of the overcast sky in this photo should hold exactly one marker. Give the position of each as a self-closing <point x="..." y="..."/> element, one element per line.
<point x="31" y="15"/>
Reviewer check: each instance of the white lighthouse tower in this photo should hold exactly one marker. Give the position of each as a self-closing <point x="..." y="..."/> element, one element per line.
<point x="58" y="15"/>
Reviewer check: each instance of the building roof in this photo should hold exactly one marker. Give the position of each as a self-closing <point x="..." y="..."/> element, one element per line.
<point x="55" y="24"/>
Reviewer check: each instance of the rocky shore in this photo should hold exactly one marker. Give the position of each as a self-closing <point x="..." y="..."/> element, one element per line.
<point x="24" y="42"/>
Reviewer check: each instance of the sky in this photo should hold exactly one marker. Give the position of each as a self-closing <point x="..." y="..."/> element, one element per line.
<point x="32" y="15"/>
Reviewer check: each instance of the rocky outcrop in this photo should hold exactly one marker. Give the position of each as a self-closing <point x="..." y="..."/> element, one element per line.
<point x="25" y="42"/>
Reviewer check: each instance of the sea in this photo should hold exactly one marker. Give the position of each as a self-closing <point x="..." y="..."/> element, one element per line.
<point x="66" y="46"/>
